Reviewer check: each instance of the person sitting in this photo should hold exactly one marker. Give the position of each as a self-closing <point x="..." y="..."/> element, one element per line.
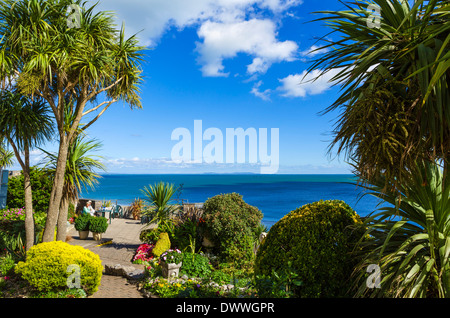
<point x="88" y="208"/>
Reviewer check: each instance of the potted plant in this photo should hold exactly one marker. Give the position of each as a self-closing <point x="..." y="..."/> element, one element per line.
<point x="97" y="226"/>
<point x="82" y="225"/>
<point x="136" y="208"/>
<point x="171" y="261"/>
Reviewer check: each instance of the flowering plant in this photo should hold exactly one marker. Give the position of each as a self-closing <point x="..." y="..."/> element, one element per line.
<point x="143" y="254"/>
<point x="172" y="256"/>
<point x="12" y="214"/>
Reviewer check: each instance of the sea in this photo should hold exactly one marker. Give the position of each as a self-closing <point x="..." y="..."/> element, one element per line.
<point x="274" y="194"/>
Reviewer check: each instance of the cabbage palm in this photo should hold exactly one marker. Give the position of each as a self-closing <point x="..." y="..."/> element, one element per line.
<point x="159" y="201"/>
<point x="25" y="124"/>
<point x="409" y="237"/>
<point x="81" y="173"/>
<point x="395" y="77"/>
<point x="58" y="62"/>
<point x="6" y="157"/>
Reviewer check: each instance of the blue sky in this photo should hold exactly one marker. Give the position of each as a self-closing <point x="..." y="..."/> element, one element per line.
<point x="230" y="64"/>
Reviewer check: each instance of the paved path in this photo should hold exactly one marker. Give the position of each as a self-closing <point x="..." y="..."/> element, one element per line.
<point x="118" y="245"/>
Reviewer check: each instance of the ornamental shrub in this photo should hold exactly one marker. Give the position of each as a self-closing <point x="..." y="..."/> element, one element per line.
<point x="98" y="224"/>
<point x="82" y="222"/>
<point x="47" y="266"/>
<point x="231" y="224"/>
<point x="162" y="245"/>
<point x="317" y="240"/>
<point x="41" y="184"/>
<point x="196" y="265"/>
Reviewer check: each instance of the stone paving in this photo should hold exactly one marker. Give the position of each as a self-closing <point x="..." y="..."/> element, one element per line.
<point x="117" y="248"/>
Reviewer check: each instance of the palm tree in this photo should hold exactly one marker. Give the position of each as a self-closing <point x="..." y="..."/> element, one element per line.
<point x="59" y="63"/>
<point x="6" y="157"/>
<point x="159" y="202"/>
<point x="25" y="124"/>
<point x="81" y="173"/>
<point x="409" y="237"/>
<point x="395" y="80"/>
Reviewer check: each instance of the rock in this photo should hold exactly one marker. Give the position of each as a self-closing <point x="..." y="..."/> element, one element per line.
<point x="136" y="274"/>
<point x="113" y="270"/>
<point x="125" y="271"/>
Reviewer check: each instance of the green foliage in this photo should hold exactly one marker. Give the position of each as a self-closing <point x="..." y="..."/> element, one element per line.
<point x="46" y="266"/>
<point x="395" y="84"/>
<point x="149" y="236"/>
<point x="162" y="245"/>
<point x="81" y="166"/>
<point x="41" y="184"/>
<point x="12" y="229"/>
<point x="277" y="285"/>
<point x="195" y="265"/>
<point x="7" y="263"/>
<point x="409" y="237"/>
<point x="98" y="224"/>
<point x="231" y="223"/>
<point x="172" y="256"/>
<point x="159" y="206"/>
<point x="317" y="239"/>
<point x="82" y="222"/>
<point x="186" y="235"/>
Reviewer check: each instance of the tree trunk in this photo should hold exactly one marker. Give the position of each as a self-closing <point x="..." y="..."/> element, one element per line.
<point x="57" y="191"/>
<point x="29" y="220"/>
<point x="62" y="220"/>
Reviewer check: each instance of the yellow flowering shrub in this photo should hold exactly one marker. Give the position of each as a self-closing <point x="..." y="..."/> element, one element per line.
<point x="162" y="245"/>
<point x="317" y="239"/>
<point x="47" y="266"/>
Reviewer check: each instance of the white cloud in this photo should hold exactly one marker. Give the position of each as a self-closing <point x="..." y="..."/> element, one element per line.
<point x="264" y="95"/>
<point x="226" y="28"/>
<point x="254" y="37"/>
<point x="313" y="51"/>
<point x="166" y="165"/>
<point x="301" y="85"/>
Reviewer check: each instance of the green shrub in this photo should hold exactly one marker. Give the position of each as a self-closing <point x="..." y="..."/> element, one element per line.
<point x="149" y="236"/>
<point x="317" y="239"/>
<point x="98" y="224"/>
<point x="195" y="265"/>
<point x="82" y="222"/>
<point x="41" y="184"/>
<point x="231" y="224"/>
<point x="162" y="245"/>
<point x="46" y="266"/>
<point x="6" y="265"/>
<point x="12" y="225"/>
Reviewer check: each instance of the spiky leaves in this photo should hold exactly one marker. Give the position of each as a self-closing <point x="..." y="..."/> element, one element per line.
<point x="395" y="81"/>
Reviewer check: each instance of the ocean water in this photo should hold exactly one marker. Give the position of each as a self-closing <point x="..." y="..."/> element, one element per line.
<point x="274" y="195"/>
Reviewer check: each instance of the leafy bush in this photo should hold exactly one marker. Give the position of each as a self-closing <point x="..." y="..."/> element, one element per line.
<point x="162" y="245"/>
<point x="149" y="236"/>
<point x="231" y="223"/>
<point x="277" y="285"/>
<point x="6" y="265"/>
<point x="41" y="184"/>
<point x="98" y="224"/>
<point x="82" y="222"/>
<point x="12" y="225"/>
<point x="195" y="265"/>
<point x="46" y="266"/>
<point x="317" y="239"/>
